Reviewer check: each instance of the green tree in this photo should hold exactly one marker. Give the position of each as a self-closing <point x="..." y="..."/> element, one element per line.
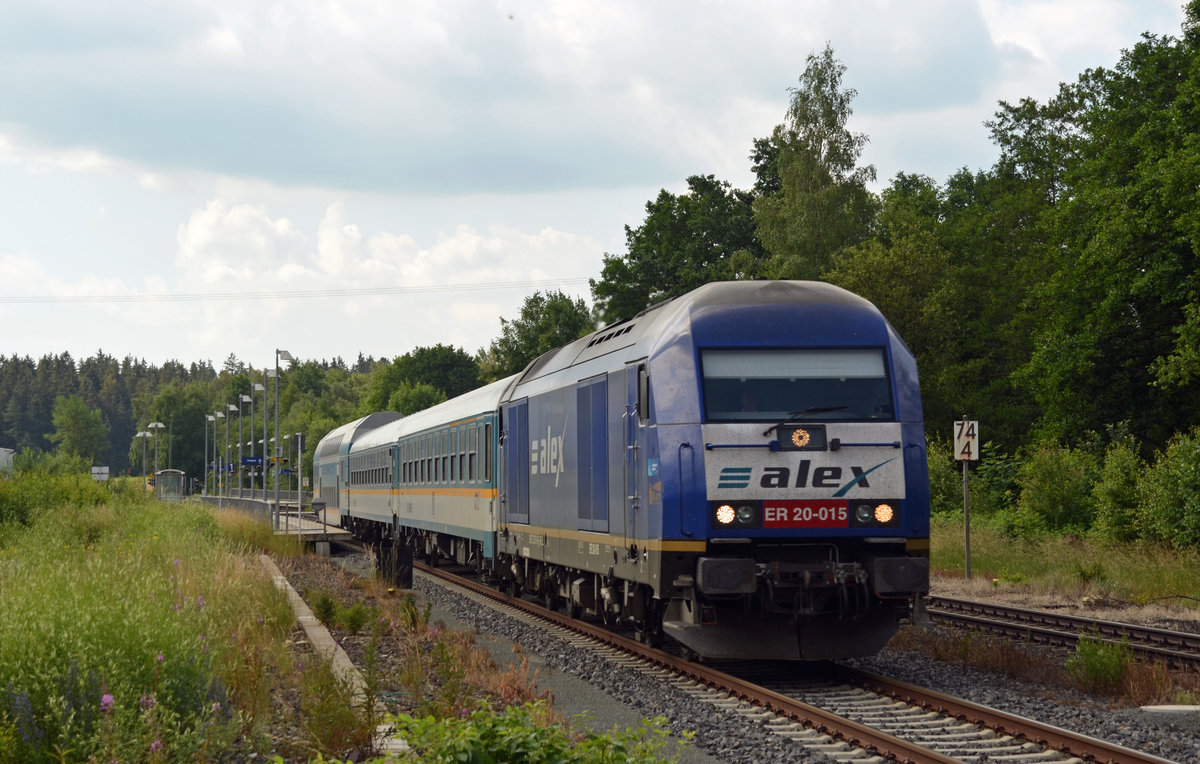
<point x="822" y="204"/>
<point x="547" y="321"/>
<point x="1115" y="346"/>
<point x="705" y="234"/>
<point x="78" y="430"/>
<point x="442" y="367"/>
<point x="411" y="397"/>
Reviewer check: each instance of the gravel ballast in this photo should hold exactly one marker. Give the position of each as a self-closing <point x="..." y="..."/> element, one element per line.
<point x="619" y="694"/>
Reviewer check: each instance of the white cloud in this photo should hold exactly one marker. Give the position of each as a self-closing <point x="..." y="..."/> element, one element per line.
<point x="238" y="247"/>
<point x="222" y="42"/>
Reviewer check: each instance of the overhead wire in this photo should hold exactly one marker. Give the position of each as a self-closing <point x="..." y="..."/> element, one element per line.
<point x="289" y="294"/>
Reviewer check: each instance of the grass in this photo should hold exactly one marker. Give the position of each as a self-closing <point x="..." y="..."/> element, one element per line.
<point x="1138" y="572"/>
<point x="1074" y="567"/>
<point x="133" y="629"/>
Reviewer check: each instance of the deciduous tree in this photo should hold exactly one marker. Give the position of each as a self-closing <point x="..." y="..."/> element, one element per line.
<point x="78" y="429"/>
<point x="705" y="234"/>
<point x="547" y="321"/>
<point x="822" y="204"/>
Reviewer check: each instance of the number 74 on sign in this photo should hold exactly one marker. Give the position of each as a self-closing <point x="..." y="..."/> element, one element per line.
<point x="966" y="440"/>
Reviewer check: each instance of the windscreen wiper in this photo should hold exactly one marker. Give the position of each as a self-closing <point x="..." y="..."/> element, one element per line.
<point x="794" y="415"/>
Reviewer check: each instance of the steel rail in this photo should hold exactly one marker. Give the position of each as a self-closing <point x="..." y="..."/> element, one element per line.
<point x="1178" y="649"/>
<point x="1064" y="741"/>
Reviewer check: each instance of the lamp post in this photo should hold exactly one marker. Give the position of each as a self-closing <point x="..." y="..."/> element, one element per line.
<point x="286" y="356"/>
<point x="219" y="482"/>
<point x="257" y="388"/>
<point x="299" y="473"/>
<point x="156" y="426"/>
<point x="207" y="467"/>
<point x="231" y="408"/>
<point x="142" y="437"/>
<point x="243" y="398"/>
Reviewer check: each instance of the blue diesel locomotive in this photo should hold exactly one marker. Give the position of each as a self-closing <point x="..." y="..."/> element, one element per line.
<point x="741" y="468"/>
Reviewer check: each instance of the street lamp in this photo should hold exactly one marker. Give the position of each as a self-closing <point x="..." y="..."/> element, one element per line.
<point x="286" y="356"/>
<point x="257" y="389"/>
<point x="298" y="451"/>
<point x="243" y="398"/>
<point x="142" y="437"/>
<point x="207" y="467"/>
<point x="219" y="482"/>
<point x="231" y="408"/>
<point x="156" y="426"/>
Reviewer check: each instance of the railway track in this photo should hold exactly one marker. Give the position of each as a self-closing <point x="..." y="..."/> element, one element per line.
<point x="849" y="715"/>
<point x="1178" y="650"/>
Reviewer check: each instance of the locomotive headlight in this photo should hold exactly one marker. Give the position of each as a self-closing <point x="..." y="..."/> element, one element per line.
<point x="875" y="514"/>
<point x="741" y="516"/>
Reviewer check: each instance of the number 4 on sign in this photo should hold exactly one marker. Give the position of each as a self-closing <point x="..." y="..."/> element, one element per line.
<point x="966" y="440"/>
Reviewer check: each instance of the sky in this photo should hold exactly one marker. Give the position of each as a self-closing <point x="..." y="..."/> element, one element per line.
<point x="194" y="180"/>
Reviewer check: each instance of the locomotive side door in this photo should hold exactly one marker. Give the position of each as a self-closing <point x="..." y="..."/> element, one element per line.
<point x="634" y="420"/>
<point x="514" y="445"/>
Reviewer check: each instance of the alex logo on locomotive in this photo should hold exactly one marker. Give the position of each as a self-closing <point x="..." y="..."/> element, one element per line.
<point x="547" y="456"/>
<point x="781" y="477"/>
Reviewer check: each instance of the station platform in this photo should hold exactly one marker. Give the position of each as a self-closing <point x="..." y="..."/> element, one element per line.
<point x="308" y="526"/>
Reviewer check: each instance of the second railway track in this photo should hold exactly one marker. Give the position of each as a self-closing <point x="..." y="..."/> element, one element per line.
<point x="1179" y="650"/>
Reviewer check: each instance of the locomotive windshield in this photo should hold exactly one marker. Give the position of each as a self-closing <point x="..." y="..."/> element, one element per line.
<point x="751" y="385"/>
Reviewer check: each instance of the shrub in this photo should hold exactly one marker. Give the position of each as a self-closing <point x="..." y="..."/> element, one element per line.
<point x="41" y="481"/>
<point x="1099" y="666"/>
<point x="527" y="733"/>
<point x="945" y="481"/>
<point x="325" y="608"/>
<point x="1169" y="496"/>
<point x="356" y="616"/>
<point x="1115" y="494"/>
<point x="993" y="482"/>
<point x="1056" y="488"/>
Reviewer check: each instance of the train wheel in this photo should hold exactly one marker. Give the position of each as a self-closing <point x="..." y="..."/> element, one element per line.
<point x="648" y="635"/>
<point x="574" y="609"/>
<point x="550" y="599"/>
<point x="650" y="631"/>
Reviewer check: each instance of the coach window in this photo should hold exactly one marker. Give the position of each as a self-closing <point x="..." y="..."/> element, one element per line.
<point x="487" y="452"/>
<point x="643" y="403"/>
<point x="471" y="452"/>
<point x="445" y="454"/>
<point x="462" y="453"/>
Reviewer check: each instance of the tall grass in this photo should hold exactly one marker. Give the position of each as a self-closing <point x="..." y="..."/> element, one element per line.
<point x="1138" y="571"/>
<point x="131" y="630"/>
